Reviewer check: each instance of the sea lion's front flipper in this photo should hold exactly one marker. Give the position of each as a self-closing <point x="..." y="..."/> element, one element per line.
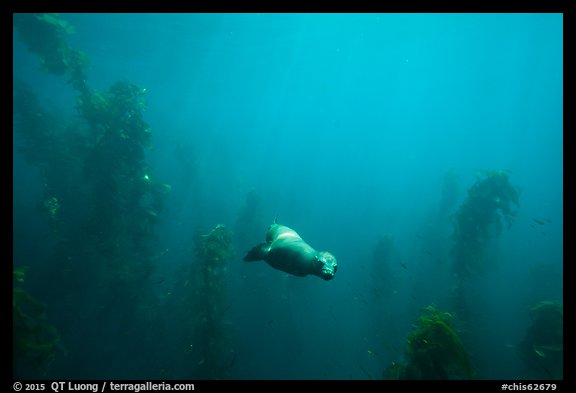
<point x="257" y="253"/>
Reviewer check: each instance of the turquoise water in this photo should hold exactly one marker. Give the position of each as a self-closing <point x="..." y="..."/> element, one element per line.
<point x="348" y="127"/>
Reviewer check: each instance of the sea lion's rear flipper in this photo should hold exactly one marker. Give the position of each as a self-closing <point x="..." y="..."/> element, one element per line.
<point x="257" y="253"/>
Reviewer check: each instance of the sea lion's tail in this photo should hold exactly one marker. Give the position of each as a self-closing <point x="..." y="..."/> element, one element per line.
<point x="256" y="253"/>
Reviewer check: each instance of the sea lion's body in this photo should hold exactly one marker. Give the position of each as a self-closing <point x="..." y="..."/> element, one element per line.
<point x="285" y="250"/>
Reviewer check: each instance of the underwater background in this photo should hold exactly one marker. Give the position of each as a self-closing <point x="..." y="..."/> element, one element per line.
<point x="152" y="151"/>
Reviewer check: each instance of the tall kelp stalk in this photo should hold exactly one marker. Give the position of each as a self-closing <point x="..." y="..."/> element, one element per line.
<point x="450" y="194"/>
<point x="380" y="267"/>
<point x="381" y="299"/>
<point x="99" y="191"/>
<point x="57" y="146"/>
<point x="211" y="340"/>
<point x="434" y="351"/>
<point x="36" y="341"/>
<point x="542" y="348"/>
<point x="125" y="201"/>
<point x="478" y="221"/>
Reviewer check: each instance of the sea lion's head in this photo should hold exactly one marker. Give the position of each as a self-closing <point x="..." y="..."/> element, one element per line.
<point x="325" y="265"/>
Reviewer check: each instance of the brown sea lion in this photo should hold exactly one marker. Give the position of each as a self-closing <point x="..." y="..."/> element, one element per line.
<point x="285" y="250"/>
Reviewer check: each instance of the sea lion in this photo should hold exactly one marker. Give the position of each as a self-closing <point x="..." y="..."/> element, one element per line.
<point x="285" y="250"/>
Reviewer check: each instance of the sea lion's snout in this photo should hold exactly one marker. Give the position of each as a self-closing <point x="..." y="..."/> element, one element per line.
<point x="327" y="265"/>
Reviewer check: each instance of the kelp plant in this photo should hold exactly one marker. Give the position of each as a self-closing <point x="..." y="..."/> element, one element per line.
<point x="450" y="194"/>
<point x="46" y="36"/>
<point x="434" y="351"/>
<point x="479" y="220"/>
<point x="100" y="191"/>
<point x="542" y="348"/>
<point x="211" y="336"/>
<point x="36" y="341"/>
<point x="126" y="202"/>
<point x="381" y="262"/>
<point x="100" y="162"/>
<point x="57" y="146"/>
